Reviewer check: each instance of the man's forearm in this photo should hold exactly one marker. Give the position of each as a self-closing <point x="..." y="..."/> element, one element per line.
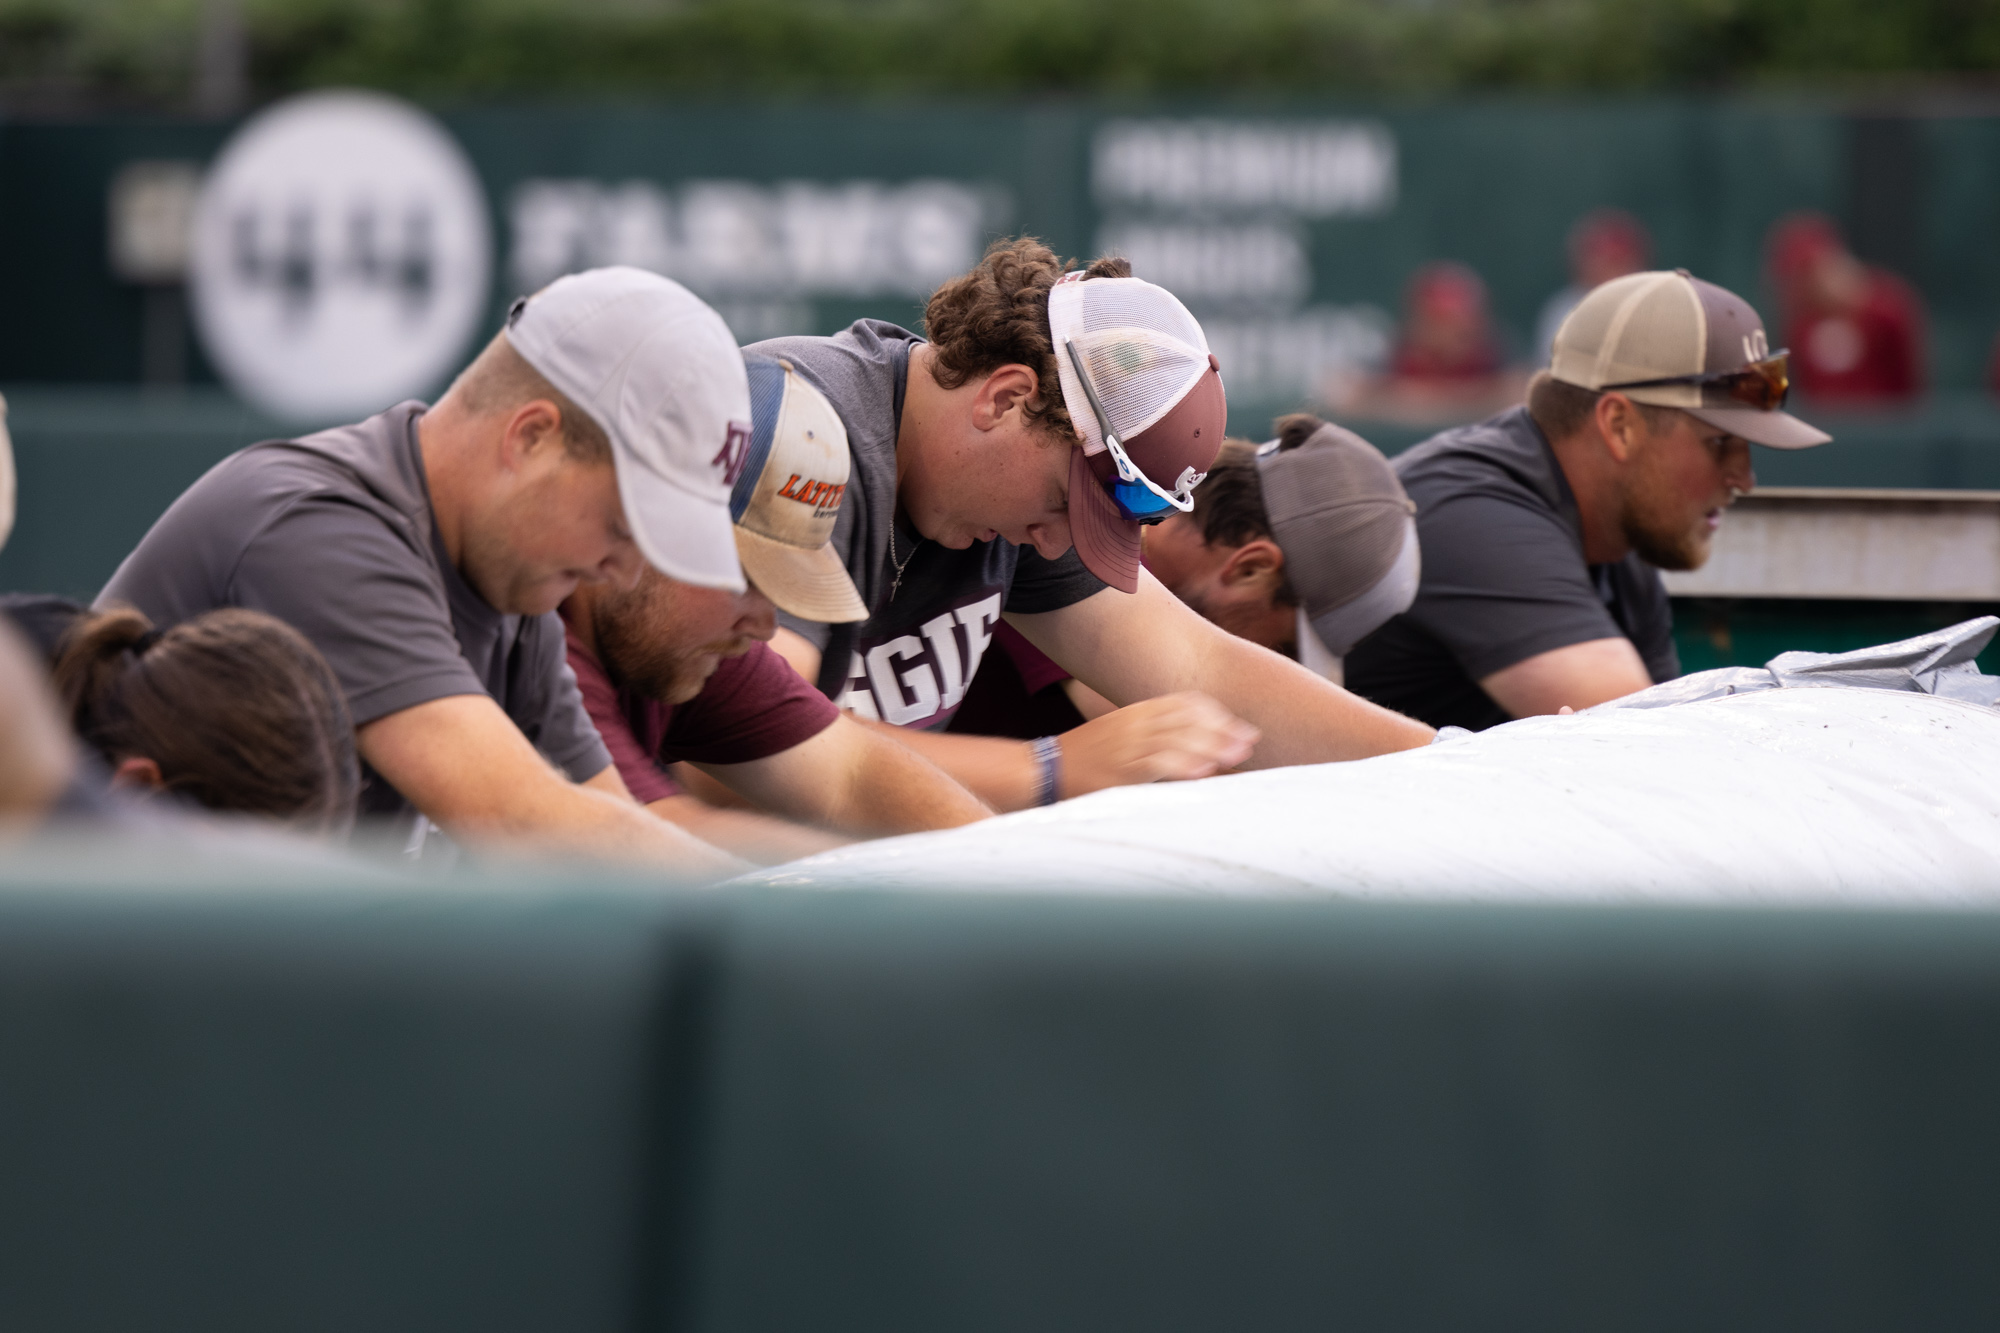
<point x="894" y="788"/>
<point x="599" y="826"/>
<point x="1305" y="718"/>
<point x="1148" y="644"/>
<point x="1002" y="773"/>
<point x="468" y="768"/>
<point x="758" y="838"/>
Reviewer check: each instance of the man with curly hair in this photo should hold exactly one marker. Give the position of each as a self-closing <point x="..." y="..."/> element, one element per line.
<point x="1003" y="468"/>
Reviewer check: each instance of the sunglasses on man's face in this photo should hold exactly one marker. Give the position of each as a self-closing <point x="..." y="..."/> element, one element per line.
<point x="1761" y="384"/>
<point x="1139" y="499"/>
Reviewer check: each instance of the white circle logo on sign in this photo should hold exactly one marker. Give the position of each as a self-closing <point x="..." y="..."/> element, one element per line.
<point x="341" y="256"/>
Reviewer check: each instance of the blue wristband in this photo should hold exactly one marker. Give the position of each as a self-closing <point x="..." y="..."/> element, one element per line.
<point x="1048" y="753"/>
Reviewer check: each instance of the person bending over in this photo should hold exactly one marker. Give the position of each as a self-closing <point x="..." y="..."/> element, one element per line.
<point x="425" y="550"/>
<point x="1304" y="544"/>
<point x="1544" y="528"/>
<point x="674" y="673"/>
<point x="1051" y="409"/>
<point x="232" y="710"/>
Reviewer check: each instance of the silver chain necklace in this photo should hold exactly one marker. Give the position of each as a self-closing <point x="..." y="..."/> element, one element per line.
<point x="901" y="565"/>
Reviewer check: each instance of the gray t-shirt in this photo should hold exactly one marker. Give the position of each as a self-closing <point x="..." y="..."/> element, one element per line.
<point x="910" y="662"/>
<point x="1503" y="578"/>
<point x="333" y="534"/>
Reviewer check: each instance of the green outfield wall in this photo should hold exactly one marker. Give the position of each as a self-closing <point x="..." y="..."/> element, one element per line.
<point x="237" y="1102"/>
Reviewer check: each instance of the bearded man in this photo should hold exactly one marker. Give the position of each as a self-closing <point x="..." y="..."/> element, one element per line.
<point x="1544" y="529"/>
<point x="673" y="674"/>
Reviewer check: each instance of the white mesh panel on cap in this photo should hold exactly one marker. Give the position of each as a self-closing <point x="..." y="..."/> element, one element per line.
<point x="1125" y="303"/>
<point x="1139" y="375"/>
<point x="1143" y="349"/>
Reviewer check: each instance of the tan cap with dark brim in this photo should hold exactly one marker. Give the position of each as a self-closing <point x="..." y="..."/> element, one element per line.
<point x="1667" y="325"/>
<point x="788" y="496"/>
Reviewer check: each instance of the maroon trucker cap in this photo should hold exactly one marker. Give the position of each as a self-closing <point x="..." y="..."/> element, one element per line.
<point x="1161" y="394"/>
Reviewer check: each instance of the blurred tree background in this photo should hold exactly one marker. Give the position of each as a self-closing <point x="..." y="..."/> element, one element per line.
<point x="77" y="55"/>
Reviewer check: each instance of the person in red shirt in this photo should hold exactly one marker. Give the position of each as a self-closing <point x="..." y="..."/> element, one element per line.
<point x="1447" y="364"/>
<point x="675" y="674"/>
<point x="1855" y="332"/>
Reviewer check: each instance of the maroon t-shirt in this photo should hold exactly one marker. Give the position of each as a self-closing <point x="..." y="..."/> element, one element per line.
<point x="1869" y="356"/>
<point x="753" y="707"/>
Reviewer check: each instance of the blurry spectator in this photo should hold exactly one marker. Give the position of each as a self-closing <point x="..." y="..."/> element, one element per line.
<point x="233" y="710"/>
<point x="1447" y="334"/>
<point x="1447" y="363"/>
<point x="1855" y="332"/>
<point x="1604" y="244"/>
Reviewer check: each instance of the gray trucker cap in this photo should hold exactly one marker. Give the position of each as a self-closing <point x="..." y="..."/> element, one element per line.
<point x="1348" y="531"/>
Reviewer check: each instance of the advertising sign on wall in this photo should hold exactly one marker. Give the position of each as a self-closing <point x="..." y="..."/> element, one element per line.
<point x="340" y="256"/>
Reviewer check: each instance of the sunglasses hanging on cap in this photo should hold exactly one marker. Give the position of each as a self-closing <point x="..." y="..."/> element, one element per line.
<point x="1761" y="384"/>
<point x="1138" y="497"/>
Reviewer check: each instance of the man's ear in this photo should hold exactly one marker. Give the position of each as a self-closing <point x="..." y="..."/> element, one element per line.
<point x="1619" y="424"/>
<point x="136" y="772"/>
<point x="530" y="427"/>
<point x="1255" y="564"/>
<point x="1008" y="388"/>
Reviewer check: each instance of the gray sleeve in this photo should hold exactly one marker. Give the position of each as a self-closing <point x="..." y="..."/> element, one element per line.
<point x="1050" y="585"/>
<point x="546" y="704"/>
<point x="1502" y="582"/>
<point x="1652" y="622"/>
<point x="343" y="578"/>
<point x="812" y="631"/>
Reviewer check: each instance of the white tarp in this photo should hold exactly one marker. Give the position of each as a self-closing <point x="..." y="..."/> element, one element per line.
<point x="1876" y="792"/>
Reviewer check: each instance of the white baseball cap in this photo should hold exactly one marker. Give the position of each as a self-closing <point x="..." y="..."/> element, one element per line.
<point x="660" y="372"/>
<point x="788" y="496"/>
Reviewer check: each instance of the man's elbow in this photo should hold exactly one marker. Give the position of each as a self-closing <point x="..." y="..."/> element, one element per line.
<point x="1578" y="676"/>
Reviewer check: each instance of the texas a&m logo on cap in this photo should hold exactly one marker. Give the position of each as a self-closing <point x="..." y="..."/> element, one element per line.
<point x="735" y="452"/>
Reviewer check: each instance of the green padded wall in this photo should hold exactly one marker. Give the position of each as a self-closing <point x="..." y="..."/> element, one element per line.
<point x="299" y="1108"/>
<point x="1054" y="1114"/>
<point x="284" y="1101"/>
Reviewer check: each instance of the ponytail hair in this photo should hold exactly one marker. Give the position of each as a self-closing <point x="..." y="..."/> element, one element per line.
<point x="237" y="708"/>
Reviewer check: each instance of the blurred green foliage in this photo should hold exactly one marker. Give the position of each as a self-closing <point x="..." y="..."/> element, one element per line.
<point x="144" y="52"/>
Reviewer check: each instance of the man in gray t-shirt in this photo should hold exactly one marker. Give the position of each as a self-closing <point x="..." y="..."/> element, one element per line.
<point x="334" y="535"/>
<point x="1004" y="465"/>
<point x="424" y="551"/>
<point x="1545" y="529"/>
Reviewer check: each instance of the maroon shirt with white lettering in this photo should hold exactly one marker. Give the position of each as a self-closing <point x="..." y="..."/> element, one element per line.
<point x="753" y="707"/>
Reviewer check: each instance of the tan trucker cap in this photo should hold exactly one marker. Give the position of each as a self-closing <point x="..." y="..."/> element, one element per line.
<point x="787" y="498"/>
<point x="1671" y="326"/>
